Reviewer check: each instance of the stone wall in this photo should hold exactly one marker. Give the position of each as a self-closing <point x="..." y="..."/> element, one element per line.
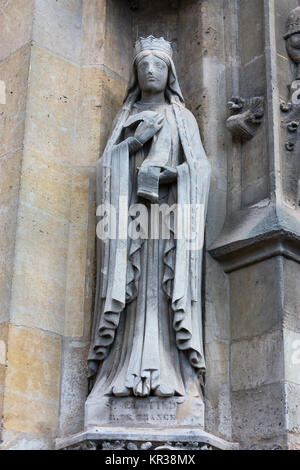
<point x="254" y="246"/>
<point x="63" y="90"/>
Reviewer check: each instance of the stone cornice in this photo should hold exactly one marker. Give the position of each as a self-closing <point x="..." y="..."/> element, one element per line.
<point x="246" y="252"/>
<point x="252" y="236"/>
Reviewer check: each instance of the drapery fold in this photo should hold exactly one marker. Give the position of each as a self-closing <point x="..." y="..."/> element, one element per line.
<point x="118" y="263"/>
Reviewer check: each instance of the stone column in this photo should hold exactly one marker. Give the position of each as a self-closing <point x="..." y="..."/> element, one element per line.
<point x="62" y="90"/>
<point x="259" y="245"/>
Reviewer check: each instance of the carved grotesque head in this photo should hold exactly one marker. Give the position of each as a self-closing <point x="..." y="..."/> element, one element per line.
<point x="292" y="36"/>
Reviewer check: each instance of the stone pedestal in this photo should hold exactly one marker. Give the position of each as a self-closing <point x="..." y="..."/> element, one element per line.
<point x="152" y="411"/>
<point x="150" y="438"/>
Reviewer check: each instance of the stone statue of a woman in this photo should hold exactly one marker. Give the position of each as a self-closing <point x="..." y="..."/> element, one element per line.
<point x="147" y="329"/>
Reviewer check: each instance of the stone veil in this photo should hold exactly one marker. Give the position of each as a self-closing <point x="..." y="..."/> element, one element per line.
<point x="147" y="327"/>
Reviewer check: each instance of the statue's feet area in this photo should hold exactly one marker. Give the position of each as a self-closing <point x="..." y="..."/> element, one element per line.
<point x="143" y="389"/>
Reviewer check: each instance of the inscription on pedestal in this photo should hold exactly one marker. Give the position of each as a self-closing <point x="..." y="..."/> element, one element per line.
<point x="143" y="411"/>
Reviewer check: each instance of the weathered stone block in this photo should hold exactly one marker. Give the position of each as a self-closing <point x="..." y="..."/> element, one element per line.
<point x="190" y="46"/>
<point x="32" y="383"/>
<point x="258" y="413"/>
<point x="16" y="17"/>
<point x="212" y="28"/>
<point x="257" y="361"/>
<point x="14" y="73"/>
<point x="291" y="298"/>
<point x="217" y="355"/>
<point x="90" y="266"/>
<point x="10" y="169"/>
<point x="9" y="188"/>
<point x="100" y="97"/>
<point x="89" y="116"/>
<point x="217" y="316"/>
<point x="93" y="32"/>
<point x="292" y="355"/>
<point x="251" y="29"/>
<point x="284" y="76"/>
<point x="73" y="386"/>
<point x="57" y="27"/>
<point x="252" y="78"/>
<point x="102" y="43"/>
<point x="3" y="359"/>
<point x="217" y="390"/>
<point x="255" y="177"/>
<point x="80" y="196"/>
<point x="216" y="214"/>
<point x="51" y="105"/>
<point x="118" y="47"/>
<point x="270" y="443"/>
<point x="15" y="440"/>
<point x="29" y="416"/>
<point x="46" y="184"/>
<point x="38" y="293"/>
<point x="3" y="343"/>
<point x="8" y="219"/>
<point x="76" y="281"/>
<point x="33" y="361"/>
<point x="218" y="409"/>
<point x="252" y="311"/>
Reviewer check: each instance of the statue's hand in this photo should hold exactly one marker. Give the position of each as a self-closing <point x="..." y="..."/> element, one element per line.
<point x="148" y="128"/>
<point x="168" y="175"/>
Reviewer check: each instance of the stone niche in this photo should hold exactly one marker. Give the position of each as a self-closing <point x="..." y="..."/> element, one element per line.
<point x="196" y="31"/>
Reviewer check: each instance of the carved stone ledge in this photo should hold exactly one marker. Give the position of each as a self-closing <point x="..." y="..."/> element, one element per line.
<point x="250" y="115"/>
<point x="257" y="233"/>
<point x="256" y="250"/>
<point x="113" y="438"/>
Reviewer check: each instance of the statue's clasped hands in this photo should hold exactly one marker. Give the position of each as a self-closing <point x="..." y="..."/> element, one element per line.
<point x="148" y="128"/>
<point x="148" y="124"/>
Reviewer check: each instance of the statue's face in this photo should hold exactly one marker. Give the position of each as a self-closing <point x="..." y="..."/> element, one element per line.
<point x="152" y="74"/>
<point x="293" y="47"/>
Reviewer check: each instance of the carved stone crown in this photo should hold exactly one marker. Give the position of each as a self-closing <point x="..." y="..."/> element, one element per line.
<point x="152" y="43"/>
<point x="293" y="23"/>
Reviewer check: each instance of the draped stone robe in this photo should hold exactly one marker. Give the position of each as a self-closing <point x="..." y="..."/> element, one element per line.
<point x="147" y="331"/>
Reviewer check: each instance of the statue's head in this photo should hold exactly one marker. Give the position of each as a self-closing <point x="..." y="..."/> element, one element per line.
<point x="152" y="61"/>
<point x="152" y="73"/>
<point x="153" y="69"/>
<point x="292" y="35"/>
